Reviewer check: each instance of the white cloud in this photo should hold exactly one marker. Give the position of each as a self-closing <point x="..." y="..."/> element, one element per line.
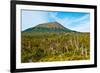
<point x="61" y="21"/>
<point x="80" y="19"/>
<point x="82" y="25"/>
<point x="32" y="18"/>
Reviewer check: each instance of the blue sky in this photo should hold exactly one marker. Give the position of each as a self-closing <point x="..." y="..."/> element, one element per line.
<point x="79" y="21"/>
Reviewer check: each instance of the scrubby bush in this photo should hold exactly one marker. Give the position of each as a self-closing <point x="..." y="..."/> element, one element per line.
<point x="41" y="47"/>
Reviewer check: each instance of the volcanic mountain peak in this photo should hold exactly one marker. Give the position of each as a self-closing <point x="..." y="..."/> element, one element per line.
<point x="48" y="27"/>
<point x="51" y="25"/>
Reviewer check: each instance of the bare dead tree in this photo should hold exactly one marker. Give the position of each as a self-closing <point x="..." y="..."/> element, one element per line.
<point x="29" y="44"/>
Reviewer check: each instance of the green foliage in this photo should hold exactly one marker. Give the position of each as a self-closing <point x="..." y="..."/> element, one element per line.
<point x="39" y="52"/>
<point x="51" y="46"/>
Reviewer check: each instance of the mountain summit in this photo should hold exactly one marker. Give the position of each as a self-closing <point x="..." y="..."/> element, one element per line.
<point x="49" y="27"/>
<point x="52" y="25"/>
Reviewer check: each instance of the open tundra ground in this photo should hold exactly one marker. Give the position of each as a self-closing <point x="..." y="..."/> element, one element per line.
<point x="50" y="46"/>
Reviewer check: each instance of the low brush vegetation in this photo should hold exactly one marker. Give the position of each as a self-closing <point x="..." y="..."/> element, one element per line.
<point x="50" y="46"/>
